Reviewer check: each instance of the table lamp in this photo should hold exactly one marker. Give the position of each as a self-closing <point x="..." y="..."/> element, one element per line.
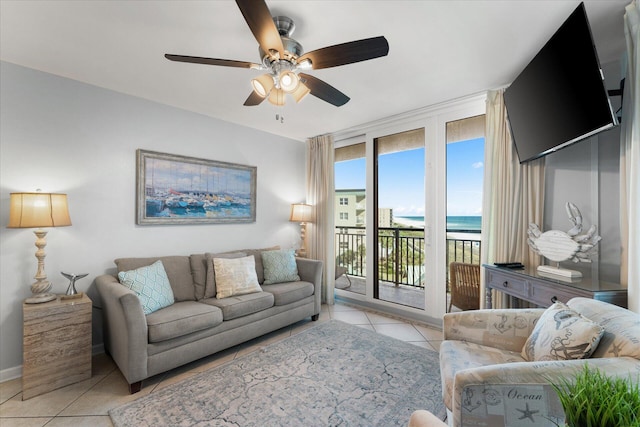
<point x="37" y="210"/>
<point x="302" y="213"/>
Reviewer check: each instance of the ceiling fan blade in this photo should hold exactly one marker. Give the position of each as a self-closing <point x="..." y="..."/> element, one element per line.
<point x="347" y="53"/>
<point x="260" y="21"/>
<point x="253" y="99"/>
<point x="212" y="61"/>
<point x="324" y="91"/>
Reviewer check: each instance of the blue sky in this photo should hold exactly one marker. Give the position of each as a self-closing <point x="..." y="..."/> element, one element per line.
<point x="402" y="179"/>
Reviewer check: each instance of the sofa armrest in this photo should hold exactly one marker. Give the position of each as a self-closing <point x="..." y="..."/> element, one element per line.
<point x="125" y="328"/>
<point x="542" y="372"/>
<point x="310" y="270"/>
<point x="506" y="329"/>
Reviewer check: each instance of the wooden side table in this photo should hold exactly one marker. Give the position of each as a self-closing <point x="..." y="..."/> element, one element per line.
<point x="56" y="345"/>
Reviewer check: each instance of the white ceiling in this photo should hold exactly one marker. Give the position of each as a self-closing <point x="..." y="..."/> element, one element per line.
<point x="439" y="51"/>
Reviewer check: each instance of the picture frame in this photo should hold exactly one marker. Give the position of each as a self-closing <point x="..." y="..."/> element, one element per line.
<point x="174" y="189"/>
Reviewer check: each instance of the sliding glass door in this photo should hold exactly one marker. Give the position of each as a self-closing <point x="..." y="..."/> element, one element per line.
<point x="391" y="206"/>
<point x="399" y="223"/>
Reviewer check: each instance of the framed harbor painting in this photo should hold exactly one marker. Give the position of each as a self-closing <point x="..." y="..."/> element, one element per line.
<point x="173" y="189"/>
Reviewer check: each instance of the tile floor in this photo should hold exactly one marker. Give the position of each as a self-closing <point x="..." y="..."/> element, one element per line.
<point x="87" y="403"/>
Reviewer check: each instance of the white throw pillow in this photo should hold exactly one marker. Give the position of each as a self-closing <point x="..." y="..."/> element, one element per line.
<point x="280" y="266"/>
<point x="562" y="334"/>
<point x="151" y="284"/>
<point x="235" y="276"/>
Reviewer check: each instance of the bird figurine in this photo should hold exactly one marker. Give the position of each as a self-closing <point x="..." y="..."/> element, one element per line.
<point x="71" y="290"/>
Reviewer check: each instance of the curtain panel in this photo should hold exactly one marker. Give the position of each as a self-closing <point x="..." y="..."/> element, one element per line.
<point x="320" y="194"/>
<point x="630" y="162"/>
<point x="513" y="196"/>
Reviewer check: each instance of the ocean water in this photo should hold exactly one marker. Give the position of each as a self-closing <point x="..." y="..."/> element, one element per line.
<point x="454" y="223"/>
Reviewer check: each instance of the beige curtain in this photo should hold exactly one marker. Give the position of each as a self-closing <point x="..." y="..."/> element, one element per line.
<point x="320" y="194"/>
<point x="513" y="196"/>
<point x="630" y="162"/>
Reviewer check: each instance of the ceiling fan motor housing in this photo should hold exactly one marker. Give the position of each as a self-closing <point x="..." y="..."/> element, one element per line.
<point x="292" y="49"/>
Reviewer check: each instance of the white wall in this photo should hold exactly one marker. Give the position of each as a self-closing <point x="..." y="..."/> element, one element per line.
<point x="588" y="175"/>
<point x="60" y="135"/>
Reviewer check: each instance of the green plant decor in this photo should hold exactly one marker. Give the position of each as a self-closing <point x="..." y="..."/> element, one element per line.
<point x="593" y="399"/>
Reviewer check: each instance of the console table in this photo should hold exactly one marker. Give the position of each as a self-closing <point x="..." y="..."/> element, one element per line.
<point x="529" y="285"/>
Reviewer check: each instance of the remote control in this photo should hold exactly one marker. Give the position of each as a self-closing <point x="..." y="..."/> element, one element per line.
<point x="508" y="264"/>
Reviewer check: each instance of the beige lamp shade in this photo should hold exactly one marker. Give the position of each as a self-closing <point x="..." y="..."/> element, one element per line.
<point x="300" y="92"/>
<point x="35" y="210"/>
<point x="263" y="85"/>
<point x="301" y="212"/>
<point x="276" y="97"/>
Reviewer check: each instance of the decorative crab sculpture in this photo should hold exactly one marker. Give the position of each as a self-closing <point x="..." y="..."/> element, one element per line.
<point x="559" y="246"/>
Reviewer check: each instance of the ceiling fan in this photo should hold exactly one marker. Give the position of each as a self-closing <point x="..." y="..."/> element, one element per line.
<point x="283" y="59"/>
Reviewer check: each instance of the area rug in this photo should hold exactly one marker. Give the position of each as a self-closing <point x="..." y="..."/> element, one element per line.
<point x="333" y="374"/>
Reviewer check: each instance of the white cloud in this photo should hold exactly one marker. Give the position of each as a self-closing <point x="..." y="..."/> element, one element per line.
<point x="477" y="165"/>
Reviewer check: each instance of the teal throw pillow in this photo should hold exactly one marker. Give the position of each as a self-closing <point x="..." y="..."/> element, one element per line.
<point x="280" y="266"/>
<point x="151" y="284"/>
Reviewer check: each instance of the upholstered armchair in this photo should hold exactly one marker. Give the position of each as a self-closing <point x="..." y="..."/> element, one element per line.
<point x="490" y="360"/>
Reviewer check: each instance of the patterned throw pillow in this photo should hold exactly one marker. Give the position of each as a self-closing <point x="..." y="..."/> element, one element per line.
<point x="151" y="284"/>
<point x="280" y="266"/>
<point x="235" y="276"/>
<point x="562" y="334"/>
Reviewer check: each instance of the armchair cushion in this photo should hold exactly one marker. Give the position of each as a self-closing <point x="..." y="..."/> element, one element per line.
<point x="562" y="334"/>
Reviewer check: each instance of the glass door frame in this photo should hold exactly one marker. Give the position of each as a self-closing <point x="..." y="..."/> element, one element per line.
<point x="433" y="120"/>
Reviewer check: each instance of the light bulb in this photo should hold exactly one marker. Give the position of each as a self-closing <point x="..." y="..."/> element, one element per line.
<point x="289" y="81"/>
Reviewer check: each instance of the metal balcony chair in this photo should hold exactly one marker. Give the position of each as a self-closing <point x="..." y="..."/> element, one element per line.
<point x="464" y="281"/>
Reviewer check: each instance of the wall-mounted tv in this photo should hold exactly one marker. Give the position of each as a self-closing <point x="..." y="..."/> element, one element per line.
<point x="560" y="97"/>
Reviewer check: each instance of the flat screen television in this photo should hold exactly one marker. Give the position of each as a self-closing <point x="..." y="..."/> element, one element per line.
<point x="560" y="97"/>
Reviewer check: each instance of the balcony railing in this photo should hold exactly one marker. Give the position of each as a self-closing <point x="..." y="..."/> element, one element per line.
<point x="401" y="252"/>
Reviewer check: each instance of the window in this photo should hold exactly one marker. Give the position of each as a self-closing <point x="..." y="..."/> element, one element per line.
<point x="344" y="201"/>
<point x="344" y="215"/>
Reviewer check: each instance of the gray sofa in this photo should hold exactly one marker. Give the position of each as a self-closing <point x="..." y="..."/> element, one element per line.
<point x="197" y="324"/>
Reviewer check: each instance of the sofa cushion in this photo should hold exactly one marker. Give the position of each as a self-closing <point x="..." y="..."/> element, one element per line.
<point x="562" y="334"/>
<point x="210" y="283"/>
<point x="622" y="327"/>
<point x="279" y="266"/>
<point x="241" y="305"/>
<point x="199" y="273"/>
<point x="151" y="284"/>
<point x="236" y="276"/>
<point x="178" y="270"/>
<point x="286" y="293"/>
<point x="257" y="254"/>
<point x="456" y="356"/>
<point x="182" y="318"/>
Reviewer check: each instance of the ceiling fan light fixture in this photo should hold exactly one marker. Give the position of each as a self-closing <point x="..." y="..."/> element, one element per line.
<point x="276" y="97"/>
<point x="263" y="85"/>
<point x="301" y="91"/>
<point x="289" y="81"/>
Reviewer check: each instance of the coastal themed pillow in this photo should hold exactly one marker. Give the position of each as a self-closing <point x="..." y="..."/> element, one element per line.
<point x="562" y="334"/>
<point x="235" y="276"/>
<point x="280" y="266"/>
<point x="151" y="284"/>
